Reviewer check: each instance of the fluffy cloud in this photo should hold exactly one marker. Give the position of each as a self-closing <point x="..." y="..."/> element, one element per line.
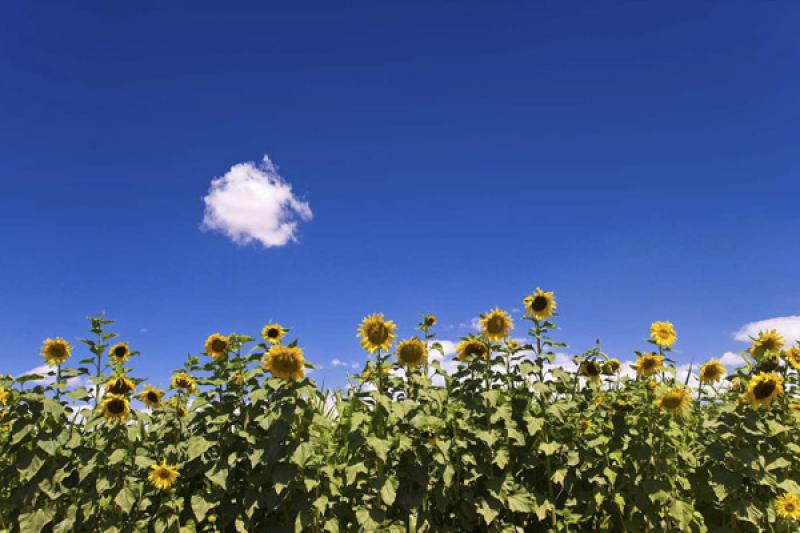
<point x="731" y="360"/>
<point x="339" y="362"/>
<point x="48" y="374"/>
<point x="788" y="326"/>
<point x="252" y="202"/>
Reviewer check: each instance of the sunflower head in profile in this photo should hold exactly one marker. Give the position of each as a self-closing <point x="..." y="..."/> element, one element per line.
<point x="412" y="353"/>
<point x="115" y="408"/>
<point x="177" y="407"/>
<point x="590" y="370"/>
<point x="273" y="333"/>
<point x="151" y="397"/>
<point x="5" y="396"/>
<point x="540" y="305"/>
<point x="217" y="346"/>
<point x="649" y="364"/>
<point x="120" y="352"/>
<point x="285" y="362"/>
<point x="496" y="324"/>
<point x="788" y="507"/>
<point x="768" y="341"/>
<point x="793" y="357"/>
<point x="768" y="362"/>
<point x="56" y="351"/>
<point x="711" y="372"/>
<point x="663" y="334"/>
<point x="676" y="400"/>
<point x="376" y="333"/>
<point x="120" y="385"/>
<point x="763" y="389"/>
<point x="184" y="382"/>
<point x="163" y="476"/>
<point x="428" y="321"/>
<point x="611" y="366"/>
<point x="471" y="348"/>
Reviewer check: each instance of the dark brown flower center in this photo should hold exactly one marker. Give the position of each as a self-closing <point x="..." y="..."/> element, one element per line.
<point x="591" y="368"/>
<point x="163" y="473"/>
<point x="411" y="353"/>
<point x="476" y="348"/>
<point x="58" y="350"/>
<point x="671" y="401"/>
<point x="152" y="397"/>
<point x="539" y="303"/>
<point x="273" y="333"/>
<point x="496" y="324"/>
<point x="120" y="386"/>
<point x="764" y="389"/>
<point x="218" y="345"/>
<point x="116" y="406"/>
<point x="120" y="351"/>
<point x="377" y="333"/>
<point x="648" y="363"/>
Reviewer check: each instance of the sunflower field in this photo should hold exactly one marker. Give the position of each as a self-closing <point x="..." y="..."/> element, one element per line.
<point x="494" y="437"/>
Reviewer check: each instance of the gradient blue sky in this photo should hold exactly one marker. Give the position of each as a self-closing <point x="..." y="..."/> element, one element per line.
<point x="638" y="158"/>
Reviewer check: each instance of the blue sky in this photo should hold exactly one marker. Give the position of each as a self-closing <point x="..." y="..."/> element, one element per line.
<point x="638" y="158"/>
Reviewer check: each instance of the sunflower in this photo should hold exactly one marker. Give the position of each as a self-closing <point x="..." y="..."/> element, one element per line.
<point x="120" y="385"/>
<point x="788" y="507"/>
<point x="711" y="371"/>
<point x="794" y="406"/>
<point x="540" y="305"/>
<point x="237" y="378"/>
<point x="471" y="347"/>
<point x="371" y="371"/>
<point x="496" y="324"/>
<point x="273" y="333"/>
<point x="5" y="395"/>
<point x="217" y="346"/>
<point x="412" y="352"/>
<point x="793" y="356"/>
<point x="285" y="362"/>
<point x="649" y="364"/>
<point x="151" y="396"/>
<point x="591" y="370"/>
<point x="764" y="388"/>
<point x="119" y="352"/>
<point x="184" y="381"/>
<point x="56" y="351"/>
<point x="768" y="362"/>
<point x="179" y="408"/>
<point x="663" y="334"/>
<point x="429" y="321"/>
<point x="652" y="385"/>
<point x="163" y="476"/>
<point x="675" y="400"/>
<point x="584" y="425"/>
<point x="768" y="341"/>
<point x="376" y="333"/>
<point x="611" y="367"/>
<point x="115" y="408"/>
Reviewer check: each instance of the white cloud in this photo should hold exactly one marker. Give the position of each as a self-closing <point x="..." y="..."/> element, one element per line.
<point x="352" y="364"/>
<point x="252" y="202"/>
<point x="731" y="360"/>
<point x="788" y="326"/>
<point x="48" y="374"/>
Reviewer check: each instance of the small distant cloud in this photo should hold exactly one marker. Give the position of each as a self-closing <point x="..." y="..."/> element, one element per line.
<point x="252" y="202"/>
<point x="788" y="326"/>
<point x="143" y="330"/>
<point x="474" y="323"/>
<point x="731" y="360"/>
<point x="351" y="364"/>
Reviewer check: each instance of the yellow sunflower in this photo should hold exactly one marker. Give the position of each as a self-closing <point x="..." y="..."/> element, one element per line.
<point x="540" y="305"/>
<point x="273" y="333"/>
<point x="285" y="362"/>
<point x="769" y="341"/>
<point x="497" y="324"/>
<point x="119" y="352"/>
<point x="217" y="346"/>
<point x="115" y="408"/>
<point x="185" y="382"/>
<point x="652" y="385"/>
<point x="151" y="396"/>
<point x="794" y="406"/>
<point x="56" y="351"/>
<point x="429" y="321"/>
<point x="763" y="389"/>
<point x="376" y="333"/>
<point x="370" y="371"/>
<point x="788" y="507"/>
<point x="163" y="476"/>
<point x="5" y="395"/>
<point x="471" y="347"/>
<point x="120" y="385"/>
<point x="649" y="364"/>
<point x="793" y="356"/>
<point x="584" y="425"/>
<point x="411" y="353"/>
<point x="177" y="407"/>
<point x="663" y="334"/>
<point x="675" y="400"/>
<point x="611" y="366"/>
<point x="237" y="378"/>
<point x="591" y="370"/>
<point x="711" y="371"/>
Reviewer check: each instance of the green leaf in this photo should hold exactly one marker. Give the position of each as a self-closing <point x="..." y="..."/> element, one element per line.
<point x="200" y="507"/>
<point x="35" y="521"/>
<point x="125" y="498"/>
<point x="549" y="448"/>
<point x="487" y="512"/>
<point x="389" y="491"/>
<point x="117" y="456"/>
<point x="520" y="502"/>
<point x="219" y="478"/>
<point x="197" y="446"/>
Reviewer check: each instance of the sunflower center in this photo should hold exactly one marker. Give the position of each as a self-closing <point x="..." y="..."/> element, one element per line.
<point x="58" y="350"/>
<point x="539" y="303"/>
<point x="592" y="368"/>
<point x="764" y="389"/>
<point x="272" y="333"/>
<point x="120" y="351"/>
<point x="164" y="474"/>
<point x="496" y="324"/>
<point x="152" y="397"/>
<point x="476" y="349"/>
<point x="377" y="333"/>
<point x="116" y="407"/>
<point x="647" y="364"/>
<point x="671" y="401"/>
<point x="218" y="345"/>
<point x="411" y="353"/>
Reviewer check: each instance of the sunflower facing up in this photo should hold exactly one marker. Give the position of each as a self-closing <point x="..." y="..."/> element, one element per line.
<point x="540" y="305"/>
<point x="468" y="348"/>
<point x="649" y="364"/>
<point x="711" y="372"/>
<point x="611" y="366"/>
<point x="663" y="334"/>
<point x="675" y="400"/>
<point x="285" y="362"/>
<point x="793" y="356"/>
<point x="496" y="324"/>
<point x="412" y="353"/>
<point x="217" y="346"/>
<point x="56" y="351"/>
<point x="376" y="333"/>
<point x="788" y="507"/>
<point x="163" y="476"/>
<point x="590" y="370"/>
<point x="151" y="397"/>
<point x="184" y="382"/>
<point x="115" y="408"/>
<point x="273" y="333"/>
<point x="120" y="352"/>
<point x="763" y="389"/>
<point x="768" y="341"/>
<point x="120" y="385"/>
